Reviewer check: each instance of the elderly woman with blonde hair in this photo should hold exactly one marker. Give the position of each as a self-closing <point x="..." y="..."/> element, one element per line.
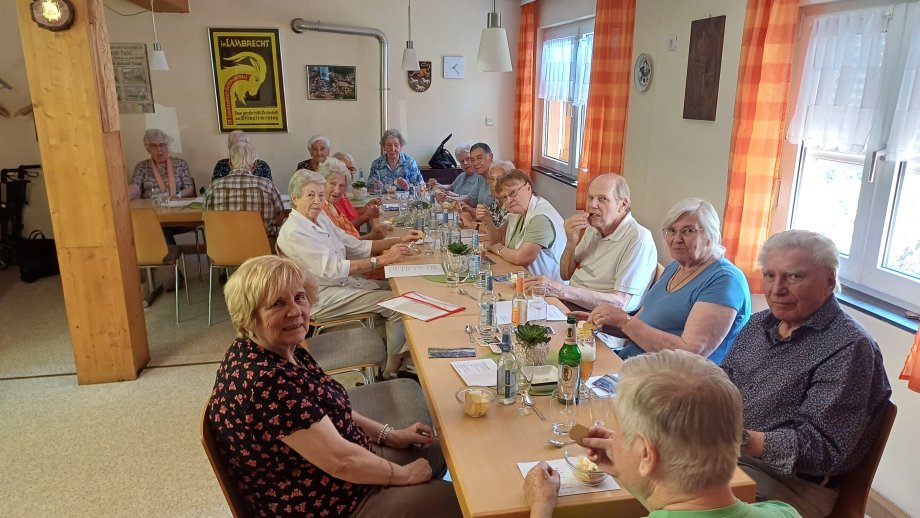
<point x="223" y="166"/>
<point x="316" y="453"/>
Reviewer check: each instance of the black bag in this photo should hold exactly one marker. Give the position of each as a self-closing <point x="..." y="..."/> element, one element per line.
<point x="36" y="257"/>
<point x="442" y="159"/>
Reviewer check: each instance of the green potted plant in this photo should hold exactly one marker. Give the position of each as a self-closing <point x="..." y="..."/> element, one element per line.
<point x="456" y="263"/>
<point x="359" y="190"/>
<point x="531" y="344"/>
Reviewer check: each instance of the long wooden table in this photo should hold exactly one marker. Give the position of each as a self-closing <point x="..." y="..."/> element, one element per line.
<point x="482" y="454"/>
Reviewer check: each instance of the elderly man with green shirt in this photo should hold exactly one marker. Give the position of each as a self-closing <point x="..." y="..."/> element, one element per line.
<point x="673" y="442"/>
<point x="609" y="258"/>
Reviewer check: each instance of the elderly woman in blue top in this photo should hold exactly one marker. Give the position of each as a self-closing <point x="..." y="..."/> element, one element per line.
<point x="701" y="301"/>
<point x="394" y="166"/>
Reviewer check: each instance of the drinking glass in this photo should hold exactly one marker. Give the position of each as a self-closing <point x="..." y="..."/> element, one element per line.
<point x="525" y="376"/>
<point x="452" y="267"/>
<point x="563" y="413"/>
<point x="588" y="349"/>
<point x="599" y="405"/>
<point x="537" y="311"/>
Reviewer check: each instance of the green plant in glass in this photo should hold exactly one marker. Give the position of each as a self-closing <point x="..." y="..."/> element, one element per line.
<point x="359" y="184"/>
<point x="458" y="248"/>
<point x="532" y="343"/>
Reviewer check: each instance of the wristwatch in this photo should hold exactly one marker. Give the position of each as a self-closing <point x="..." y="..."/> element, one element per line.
<point x="745" y="440"/>
<point x="373" y="262"/>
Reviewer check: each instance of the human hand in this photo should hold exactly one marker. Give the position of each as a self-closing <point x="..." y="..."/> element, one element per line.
<point x="402" y="183"/>
<point x="599" y="447"/>
<point x="379" y="232"/>
<point x="373" y="211"/>
<point x="393" y="254"/>
<point x="432" y="183"/>
<point x="440" y="196"/>
<point x="495" y="247"/>
<point x="419" y="435"/>
<point x="607" y="314"/>
<point x="579" y="315"/>
<point x="415" y="472"/>
<point x="411" y="236"/>
<point x="482" y="212"/>
<point x="541" y="488"/>
<point x="553" y="288"/>
<point x="467" y="221"/>
<point x="575" y="226"/>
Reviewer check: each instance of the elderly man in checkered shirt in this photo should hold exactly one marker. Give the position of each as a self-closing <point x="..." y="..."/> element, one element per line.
<point x="240" y="190"/>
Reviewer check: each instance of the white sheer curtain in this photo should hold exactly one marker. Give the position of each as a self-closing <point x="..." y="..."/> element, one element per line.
<point x="583" y="70"/>
<point x="841" y="81"/>
<point x="556" y="70"/>
<point x="904" y="140"/>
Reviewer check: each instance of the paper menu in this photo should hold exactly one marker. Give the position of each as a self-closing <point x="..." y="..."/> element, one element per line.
<point x="477" y="373"/>
<point x="568" y="484"/>
<point x="412" y="270"/>
<point x="503" y="312"/>
<point x="420" y="306"/>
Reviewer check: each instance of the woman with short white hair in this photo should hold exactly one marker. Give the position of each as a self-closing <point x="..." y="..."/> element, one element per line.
<point x="700" y="302"/>
<point x="319" y="147"/>
<point x="337" y="259"/>
<point x="161" y="172"/>
<point x="358" y="216"/>
<point x="394" y="167"/>
<point x="336" y="174"/>
<point x="223" y="166"/>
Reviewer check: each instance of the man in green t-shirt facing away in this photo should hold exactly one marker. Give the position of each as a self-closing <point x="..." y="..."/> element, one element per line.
<point x="673" y="443"/>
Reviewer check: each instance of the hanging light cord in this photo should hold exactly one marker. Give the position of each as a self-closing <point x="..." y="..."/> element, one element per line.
<point x="410" y="20"/>
<point x="153" y="17"/>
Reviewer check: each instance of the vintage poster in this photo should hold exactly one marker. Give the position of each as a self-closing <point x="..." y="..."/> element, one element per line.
<point x="248" y="79"/>
<point x="132" y="77"/>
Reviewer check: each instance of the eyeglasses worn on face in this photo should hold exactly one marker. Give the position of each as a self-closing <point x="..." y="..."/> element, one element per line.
<point x="511" y="194"/>
<point x="685" y="232"/>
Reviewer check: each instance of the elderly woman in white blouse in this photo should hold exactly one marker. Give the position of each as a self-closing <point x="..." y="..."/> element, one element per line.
<point x="337" y="259"/>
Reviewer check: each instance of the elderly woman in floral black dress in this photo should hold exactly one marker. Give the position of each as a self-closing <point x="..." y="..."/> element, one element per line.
<point x="286" y="429"/>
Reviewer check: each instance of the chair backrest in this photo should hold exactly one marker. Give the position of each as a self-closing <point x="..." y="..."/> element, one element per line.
<point x="233" y="236"/>
<point x="855" y="485"/>
<point x="149" y="242"/>
<point x="246" y="199"/>
<point x="658" y="271"/>
<point x="227" y="485"/>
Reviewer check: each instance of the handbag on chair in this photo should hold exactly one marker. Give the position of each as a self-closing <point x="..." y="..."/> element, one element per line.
<point x="442" y="159"/>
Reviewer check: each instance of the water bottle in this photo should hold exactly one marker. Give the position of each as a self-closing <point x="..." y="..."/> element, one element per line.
<point x="475" y="257"/>
<point x="487" y="311"/>
<point x="361" y="174"/>
<point x="507" y="374"/>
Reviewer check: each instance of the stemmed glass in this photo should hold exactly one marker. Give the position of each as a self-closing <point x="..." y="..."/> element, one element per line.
<point x="525" y="377"/>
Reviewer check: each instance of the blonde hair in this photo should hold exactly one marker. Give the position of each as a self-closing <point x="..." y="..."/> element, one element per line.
<point x="686" y="406"/>
<point x="257" y="282"/>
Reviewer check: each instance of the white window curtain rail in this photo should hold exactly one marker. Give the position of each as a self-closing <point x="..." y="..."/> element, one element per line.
<point x="841" y="81"/>
<point x="904" y="139"/>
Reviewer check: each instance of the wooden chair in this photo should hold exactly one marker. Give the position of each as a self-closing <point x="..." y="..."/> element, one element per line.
<point x="227" y="485"/>
<point x="232" y="237"/>
<point x="153" y="252"/>
<point x="855" y="485"/>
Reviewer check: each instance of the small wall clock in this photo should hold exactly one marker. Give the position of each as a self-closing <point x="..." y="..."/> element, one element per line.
<point x="54" y="15"/>
<point x="642" y="72"/>
<point x="453" y="67"/>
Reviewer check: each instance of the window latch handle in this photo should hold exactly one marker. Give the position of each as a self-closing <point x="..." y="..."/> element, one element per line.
<point x="877" y="155"/>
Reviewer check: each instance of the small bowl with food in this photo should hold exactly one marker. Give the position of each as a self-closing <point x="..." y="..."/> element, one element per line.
<point x="582" y="467"/>
<point x="476" y="401"/>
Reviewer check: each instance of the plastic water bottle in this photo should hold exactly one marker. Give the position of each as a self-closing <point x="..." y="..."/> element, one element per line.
<point x="507" y="374"/>
<point x="475" y="257"/>
<point x="487" y="313"/>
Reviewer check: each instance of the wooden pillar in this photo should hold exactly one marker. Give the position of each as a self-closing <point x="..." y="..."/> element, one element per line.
<point x="76" y="117"/>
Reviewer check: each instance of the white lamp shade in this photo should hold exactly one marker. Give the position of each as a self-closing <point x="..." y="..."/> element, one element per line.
<point x="494" y="54"/>
<point x="410" y="60"/>
<point x="158" y="58"/>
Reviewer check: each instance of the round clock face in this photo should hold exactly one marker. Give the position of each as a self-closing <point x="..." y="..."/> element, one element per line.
<point x="54" y="15"/>
<point x="642" y="72"/>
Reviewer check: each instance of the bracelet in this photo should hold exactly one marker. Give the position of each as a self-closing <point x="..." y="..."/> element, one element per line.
<point x="390" y="479"/>
<point x="625" y="322"/>
<point x="382" y="436"/>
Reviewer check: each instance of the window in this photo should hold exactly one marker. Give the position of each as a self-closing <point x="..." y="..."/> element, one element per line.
<point x="855" y="143"/>
<point x="565" y="71"/>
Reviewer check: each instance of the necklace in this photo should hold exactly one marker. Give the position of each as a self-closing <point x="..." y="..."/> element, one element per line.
<point x="685" y="278"/>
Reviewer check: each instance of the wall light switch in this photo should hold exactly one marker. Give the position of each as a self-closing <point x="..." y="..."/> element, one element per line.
<point x="490" y="121"/>
<point x="672" y="43"/>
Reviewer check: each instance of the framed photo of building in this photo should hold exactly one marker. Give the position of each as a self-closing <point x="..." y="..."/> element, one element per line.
<point x="332" y="83"/>
<point x="248" y="79"/>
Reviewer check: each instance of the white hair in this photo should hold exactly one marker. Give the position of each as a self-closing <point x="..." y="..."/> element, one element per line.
<point x="821" y="248"/>
<point x="156" y="134"/>
<point x="506" y="165"/>
<point x="707" y="215"/>
<point x="318" y="138"/>
<point x="237" y="136"/>
<point x="332" y="166"/>
<point x="303" y="178"/>
<point x="343" y="156"/>
<point x="242" y="156"/>
<point x="461" y="148"/>
<point x="392" y="132"/>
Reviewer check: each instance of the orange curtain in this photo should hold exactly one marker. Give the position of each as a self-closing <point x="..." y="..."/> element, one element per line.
<point x="911" y="371"/>
<point x="767" y="48"/>
<point x="524" y="96"/>
<point x="608" y="96"/>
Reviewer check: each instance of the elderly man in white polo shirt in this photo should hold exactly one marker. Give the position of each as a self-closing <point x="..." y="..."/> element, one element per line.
<point x="609" y="258"/>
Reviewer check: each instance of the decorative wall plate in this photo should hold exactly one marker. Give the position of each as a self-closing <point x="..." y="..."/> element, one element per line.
<point x="642" y="72"/>
<point x="54" y="15"/>
<point x="420" y="80"/>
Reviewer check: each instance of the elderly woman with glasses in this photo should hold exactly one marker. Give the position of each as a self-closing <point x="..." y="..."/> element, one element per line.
<point x="320" y="148"/>
<point x="357" y="216"/>
<point x="290" y="435"/>
<point x="336" y="175"/>
<point x="160" y="172"/>
<point x="337" y="259"/>
<point x="533" y="236"/>
<point x="394" y="167"/>
<point x="700" y="302"/>
<point x="223" y="166"/>
<point x="498" y="214"/>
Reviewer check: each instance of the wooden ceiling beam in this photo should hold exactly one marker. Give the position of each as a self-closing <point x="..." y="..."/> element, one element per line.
<point x="164" y="6"/>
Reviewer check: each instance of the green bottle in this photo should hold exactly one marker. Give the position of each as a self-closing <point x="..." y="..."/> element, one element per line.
<point x="569" y="365"/>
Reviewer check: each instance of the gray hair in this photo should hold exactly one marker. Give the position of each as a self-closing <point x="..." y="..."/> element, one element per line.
<point x="303" y="178"/>
<point x="505" y="165"/>
<point x="318" y="138"/>
<point x="156" y="134"/>
<point x="462" y="147"/>
<point x="237" y="136"/>
<point x="343" y="156"/>
<point x="620" y="187"/>
<point x="821" y="248"/>
<point x="673" y="398"/>
<point x="709" y="219"/>
<point x="242" y="156"/>
<point x="332" y="166"/>
<point x="392" y="132"/>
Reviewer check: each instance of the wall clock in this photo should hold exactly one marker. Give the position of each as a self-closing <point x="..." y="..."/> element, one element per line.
<point x="420" y="80"/>
<point x="54" y="15"/>
<point x="453" y="67"/>
<point x="642" y="72"/>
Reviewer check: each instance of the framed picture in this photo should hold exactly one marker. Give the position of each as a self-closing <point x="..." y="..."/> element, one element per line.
<point x="704" y="66"/>
<point x="332" y="83"/>
<point x="132" y="77"/>
<point x="248" y="79"/>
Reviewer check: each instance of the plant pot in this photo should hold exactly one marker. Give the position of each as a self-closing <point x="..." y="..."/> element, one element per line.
<point x="531" y="354"/>
<point x="359" y="194"/>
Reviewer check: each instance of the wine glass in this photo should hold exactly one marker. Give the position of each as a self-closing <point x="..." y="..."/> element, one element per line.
<point x="525" y="377"/>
